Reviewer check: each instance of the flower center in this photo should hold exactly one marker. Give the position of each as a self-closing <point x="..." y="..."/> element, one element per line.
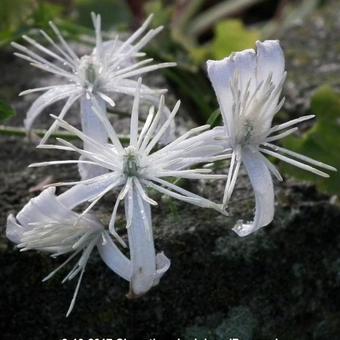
<point x="89" y="72"/>
<point x="131" y="163"/>
<point x="246" y="132"/>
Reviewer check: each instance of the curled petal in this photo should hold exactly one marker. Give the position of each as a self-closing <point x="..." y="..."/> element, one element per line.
<point x="147" y="269"/>
<point x="114" y="258"/>
<point x="162" y="265"/>
<point x="262" y="183"/>
<point x="14" y="230"/>
<point x="42" y="208"/>
<point x="51" y="96"/>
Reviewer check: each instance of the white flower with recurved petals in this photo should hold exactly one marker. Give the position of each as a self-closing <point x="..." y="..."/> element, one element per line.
<point x="134" y="169"/>
<point x="248" y="86"/>
<point x="110" y="69"/>
<point x="48" y="224"/>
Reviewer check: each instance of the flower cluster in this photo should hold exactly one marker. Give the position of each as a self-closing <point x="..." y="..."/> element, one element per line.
<point x="248" y="86"/>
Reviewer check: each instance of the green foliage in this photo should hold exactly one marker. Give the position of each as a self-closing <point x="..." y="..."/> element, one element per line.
<point x="230" y="36"/>
<point x="322" y="141"/>
<point x="13" y="12"/>
<point x="6" y="111"/>
<point x="44" y="13"/>
<point x="18" y="16"/>
<point x="114" y="13"/>
<point x="215" y="118"/>
<point x="163" y="12"/>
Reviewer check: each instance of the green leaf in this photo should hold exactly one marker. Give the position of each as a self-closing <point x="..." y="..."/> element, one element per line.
<point x="18" y="16"/>
<point x="322" y="141"/>
<point x="163" y="11"/>
<point x="113" y="13"/>
<point x="215" y="13"/>
<point x="14" y="13"/>
<point x="230" y="36"/>
<point x="6" y="111"/>
<point x="215" y="118"/>
<point x="46" y="12"/>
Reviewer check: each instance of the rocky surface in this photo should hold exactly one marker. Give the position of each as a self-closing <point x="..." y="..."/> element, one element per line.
<point x="312" y="48"/>
<point x="282" y="282"/>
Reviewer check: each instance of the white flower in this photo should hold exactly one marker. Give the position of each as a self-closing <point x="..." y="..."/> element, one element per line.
<point x="248" y="85"/>
<point x="47" y="224"/>
<point x="111" y="68"/>
<point x="134" y="169"/>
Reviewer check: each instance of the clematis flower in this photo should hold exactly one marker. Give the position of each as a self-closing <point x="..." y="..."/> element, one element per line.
<point x="136" y="168"/>
<point x="248" y="86"/>
<point x="46" y="224"/>
<point x="110" y="69"/>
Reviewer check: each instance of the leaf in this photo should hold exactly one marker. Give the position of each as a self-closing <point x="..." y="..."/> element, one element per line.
<point x="215" y="118"/>
<point x="6" y="111"/>
<point x="163" y="11"/>
<point x="230" y="36"/>
<point x="216" y="12"/>
<point x="18" y="16"/>
<point x="113" y="13"/>
<point x="46" y="12"/>
<point x="14" y="12"/>
<point x="322" y="141"/>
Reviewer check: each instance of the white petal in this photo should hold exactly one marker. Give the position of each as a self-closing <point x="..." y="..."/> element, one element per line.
<point x="162" y="264"/>
<point x="42" y="208"/>
<point x="49" y="97"/>
<point x="272" y="168"/>
<point x="142" y="251"/>
<point x="134" y="115"/>
<point x="81" y="193"/>
<point x="154" y="99"/>
<point x="295" y="163"/>
<point x="262" y="183"/>
<point x="13" y="230"/>
<point x="222" y="73"/>
<point x="301" y="157"/>
<point x="92" y="127"/>
<point x="63" y="42"/>
<point x="271" y="73"/>
<point x="290" y="123"/>
<point x="163" y="128"/>
<point x="70" y="101"/>
<point x="114" y="258"/>
<point x="232" y="175"/>
<point x="136" y="34"/>
<point x="270" y="61"/>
